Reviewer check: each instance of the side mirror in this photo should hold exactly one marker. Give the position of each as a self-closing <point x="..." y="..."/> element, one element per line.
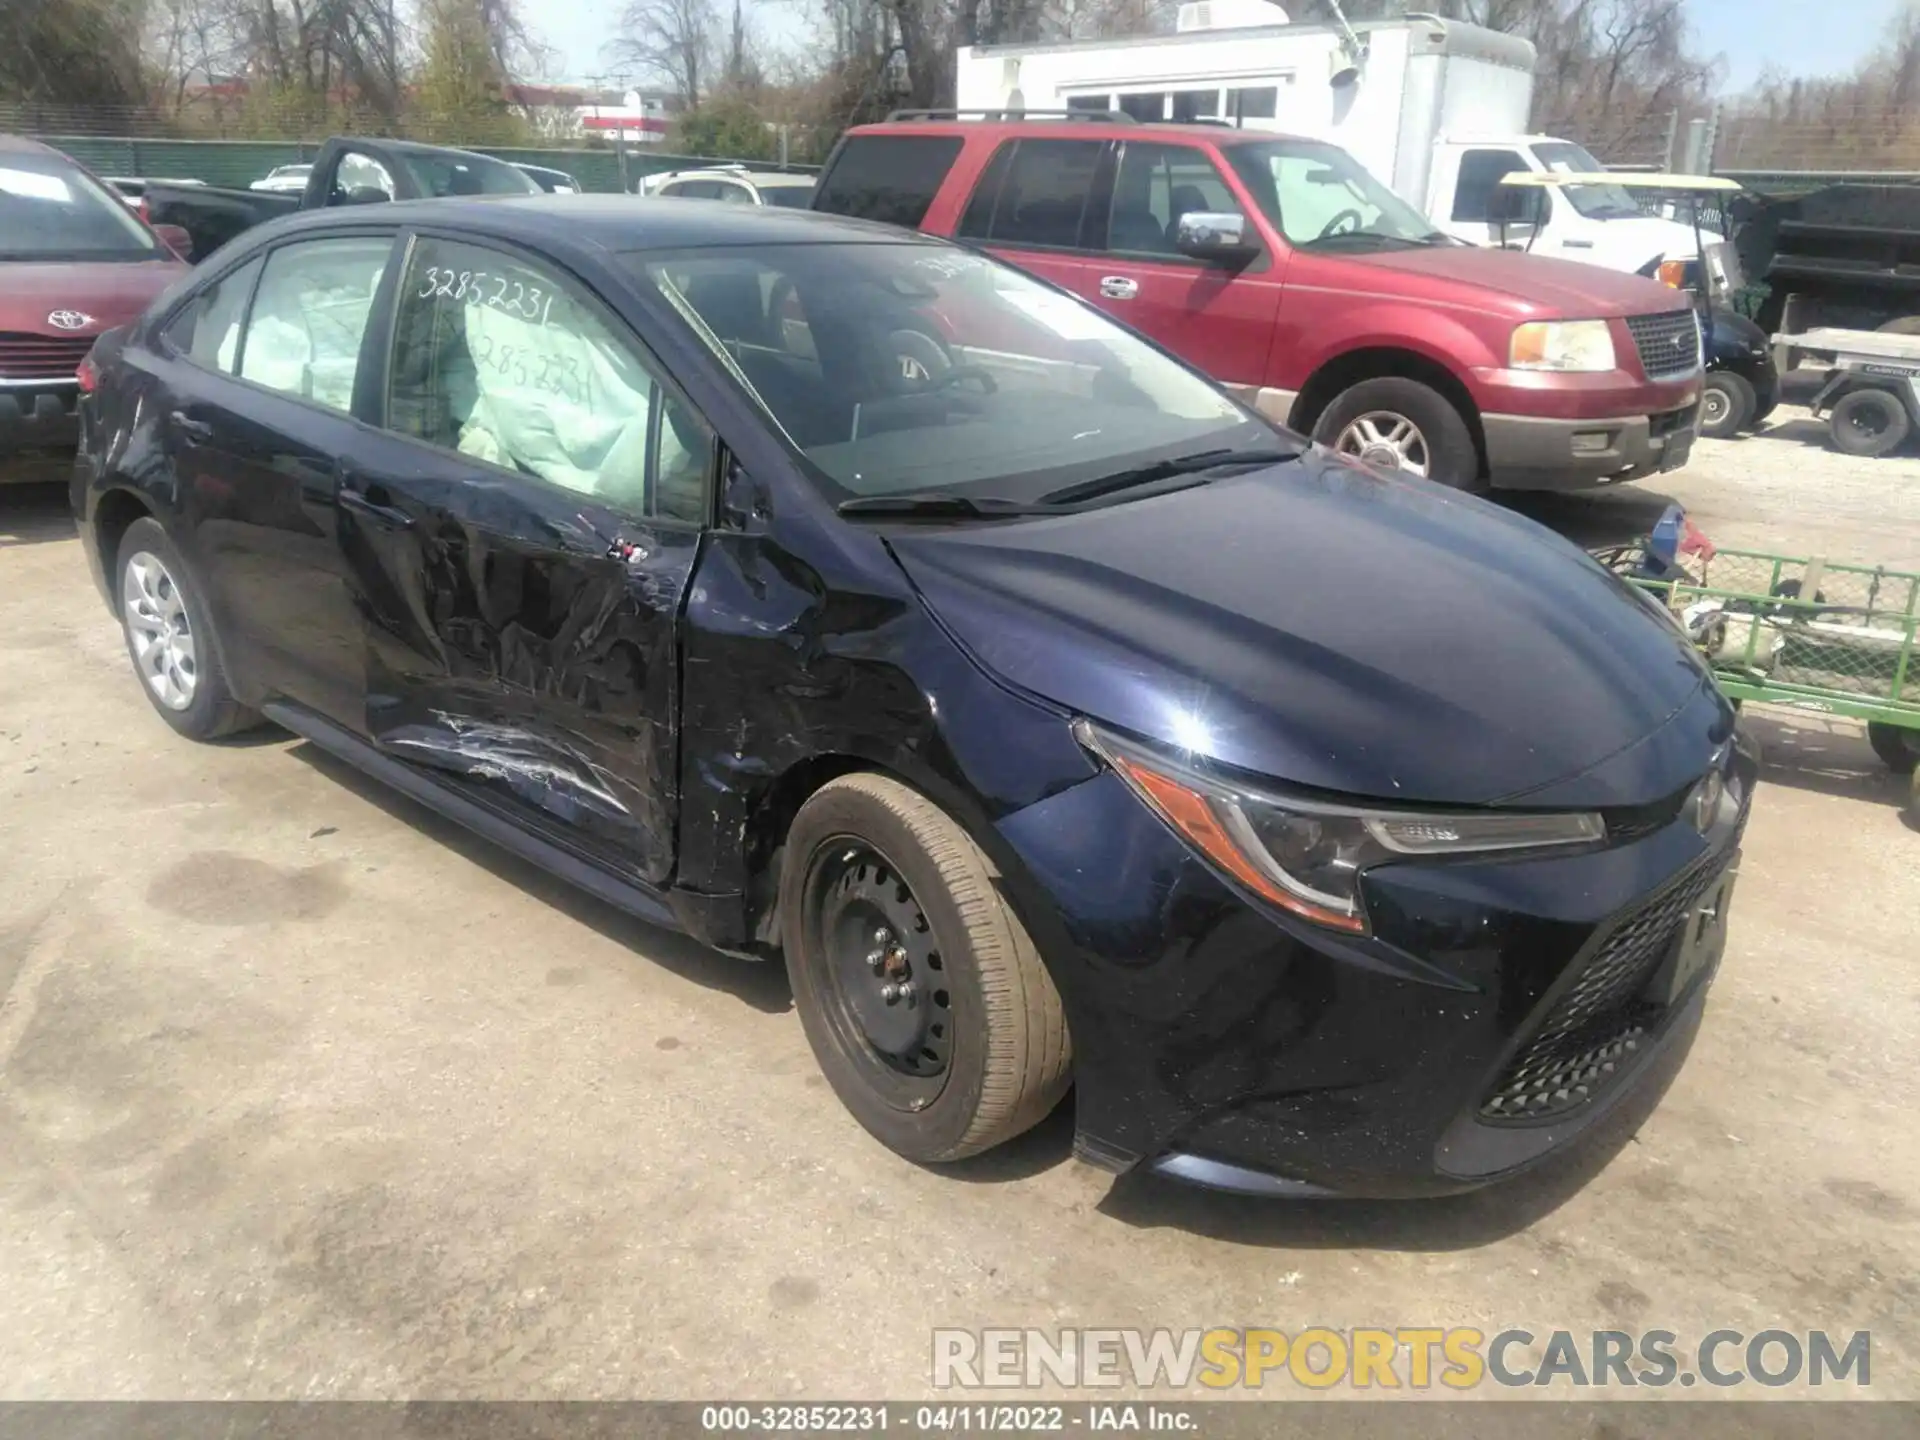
<point x="1220" y="236"/>
<point x="176" y="239"/>
<point x="1517" y="205"/>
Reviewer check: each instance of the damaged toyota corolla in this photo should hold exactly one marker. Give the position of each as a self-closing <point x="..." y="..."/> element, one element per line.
<point x="833" y="593"/>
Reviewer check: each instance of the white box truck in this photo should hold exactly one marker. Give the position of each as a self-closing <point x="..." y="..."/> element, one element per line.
<point x="1436" y="108"/>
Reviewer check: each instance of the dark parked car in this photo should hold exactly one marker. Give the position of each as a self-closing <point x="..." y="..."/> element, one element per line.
<point x="347" y="171"/>
<point x="827" y="590"/>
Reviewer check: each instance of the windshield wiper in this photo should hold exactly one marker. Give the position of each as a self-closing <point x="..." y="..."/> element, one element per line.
<point x="1188" y="465"/>
<point x="939" y="504"/>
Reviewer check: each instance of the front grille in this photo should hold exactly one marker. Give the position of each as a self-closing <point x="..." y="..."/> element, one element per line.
<point x="41" y="357"/>
<point x="1602" y="1017"/>
<point x="1669" y="344"/>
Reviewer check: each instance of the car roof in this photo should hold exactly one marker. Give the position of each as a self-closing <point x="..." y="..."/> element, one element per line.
<point x="19" y="144"/>
<point x="1092" y="129"/>
<point x="614" y="223"/>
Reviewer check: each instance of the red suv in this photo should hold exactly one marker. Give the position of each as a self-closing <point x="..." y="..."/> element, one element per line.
<point x="1287" y="272"/>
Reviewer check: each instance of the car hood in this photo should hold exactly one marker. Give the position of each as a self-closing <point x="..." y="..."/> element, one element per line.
<point x="1508" y="283"/>
<point x="106" y="293"/>
<point x="1333" y="628"/>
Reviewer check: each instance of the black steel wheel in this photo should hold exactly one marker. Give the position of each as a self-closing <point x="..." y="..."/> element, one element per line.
<point x="1897" y="746"/>
<point x="925" y="1002"/>
<point x="1868" y="423"/>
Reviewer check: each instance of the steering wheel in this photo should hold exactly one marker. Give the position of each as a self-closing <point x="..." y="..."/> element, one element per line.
<point x="1337" y="225"/>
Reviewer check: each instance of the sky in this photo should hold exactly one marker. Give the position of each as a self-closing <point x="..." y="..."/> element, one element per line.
<point x="1802" y="38"/>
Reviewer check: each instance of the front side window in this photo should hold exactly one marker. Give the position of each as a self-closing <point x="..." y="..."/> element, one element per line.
<point x="890" y="178"/>
<point x="207" y="330"/>
<point x="1147" y="106"/>
<point x="1154" y="186"/>
<point x="1035" y="192"/>
<point x="902" y="369"/>
<point x="309" y="316"/>
<point x="1324" y="199"/>
<point x="787" y="197"/>
<point x="496" y="358"/>
<point x="51" y="210"/>
<point x="1480" y="175"/>
<point x="692" y="189"/>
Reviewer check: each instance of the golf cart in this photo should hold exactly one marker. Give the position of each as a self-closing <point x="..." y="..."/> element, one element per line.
<point x="1741" y="385"/>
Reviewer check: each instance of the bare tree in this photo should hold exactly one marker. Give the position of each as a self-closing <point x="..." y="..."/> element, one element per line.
<point x="671" y="40"/>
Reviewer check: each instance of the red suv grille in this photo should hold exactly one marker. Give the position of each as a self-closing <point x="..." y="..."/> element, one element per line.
<point x="41" y="357"/>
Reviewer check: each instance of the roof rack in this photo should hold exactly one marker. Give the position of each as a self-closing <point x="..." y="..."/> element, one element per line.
<point x="1108" y="117"/>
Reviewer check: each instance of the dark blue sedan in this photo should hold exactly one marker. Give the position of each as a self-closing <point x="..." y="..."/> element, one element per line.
<point x="834" y="593"/>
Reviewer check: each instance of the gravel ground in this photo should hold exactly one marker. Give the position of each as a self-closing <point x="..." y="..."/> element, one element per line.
<point x="305" y="1093"/>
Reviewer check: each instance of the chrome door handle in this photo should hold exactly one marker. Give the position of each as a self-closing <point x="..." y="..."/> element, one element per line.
<point x="373" y="506"/>
<point x="1118" y="287"/>
<point x="194" y="432"/>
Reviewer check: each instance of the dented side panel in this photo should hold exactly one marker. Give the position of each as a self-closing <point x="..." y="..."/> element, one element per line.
<point x="523" y="639"/>
<point x="788" y="660"/>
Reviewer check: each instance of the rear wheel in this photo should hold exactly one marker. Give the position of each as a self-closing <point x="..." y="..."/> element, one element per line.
<point x="1868" y="423"/>
<point x="170" y="637"/>
<point x="1727" y="404"/>
<point x="927" y="1007"/>
<point x="1898" y="746"/>
<point x="1397" y="424"/>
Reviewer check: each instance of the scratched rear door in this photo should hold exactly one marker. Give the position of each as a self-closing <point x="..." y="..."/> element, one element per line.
<point x="521" y="549"/>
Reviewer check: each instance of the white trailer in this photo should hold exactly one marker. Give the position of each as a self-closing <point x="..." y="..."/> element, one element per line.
<point x="1436" y="108"/>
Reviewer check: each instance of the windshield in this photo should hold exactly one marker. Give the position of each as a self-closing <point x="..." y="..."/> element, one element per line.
<point x="903" y="369"/>
<point x="51" y="210"/>
<point x="1324" y="199"/>
<point x="444" y="175"/>
<point x="1596" y="202"/>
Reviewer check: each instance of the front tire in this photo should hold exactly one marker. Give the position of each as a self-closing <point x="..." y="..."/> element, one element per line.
<point x="925" y="1002"/>
<point x="1398" y="424"/>
<point x="1868" y="423"/>
<point x="170" y="637"/>
<point x="1727" y="405"/>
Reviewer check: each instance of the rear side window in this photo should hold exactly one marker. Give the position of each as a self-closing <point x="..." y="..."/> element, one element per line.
<point x="1035" y="192"/>
<point x="308" y="317"/>
<point x="1480" y="172"/>
<point x="496" y="358"/>
<point x="207" y="331"/>
<point x="890" y="178"/>
<point x="692" y="189"/>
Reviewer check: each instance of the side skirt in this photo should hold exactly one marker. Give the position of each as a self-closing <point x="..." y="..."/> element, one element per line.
<point x="635" y="899"/>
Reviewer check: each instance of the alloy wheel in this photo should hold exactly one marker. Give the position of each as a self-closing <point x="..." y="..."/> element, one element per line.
<point x="1386" y="440"/>
<point x="162" y="636"/>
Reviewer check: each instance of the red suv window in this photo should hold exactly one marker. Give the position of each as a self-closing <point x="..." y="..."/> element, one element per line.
<point x="1042" y="197"/>
<point x="890" y="178"/>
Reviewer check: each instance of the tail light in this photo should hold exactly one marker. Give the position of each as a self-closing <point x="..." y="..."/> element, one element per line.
<point x="142" y="212"/>
<point x="88" y="374"/>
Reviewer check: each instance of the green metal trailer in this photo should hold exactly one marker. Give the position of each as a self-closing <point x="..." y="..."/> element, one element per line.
<point x="1803" y="631"/>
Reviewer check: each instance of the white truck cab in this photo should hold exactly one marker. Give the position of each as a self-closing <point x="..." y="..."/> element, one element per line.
<point x="1435" y="108"/>
<point x="1599" y="223"/>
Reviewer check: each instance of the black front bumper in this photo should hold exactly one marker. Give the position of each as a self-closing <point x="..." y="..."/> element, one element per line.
<point x="1222" y="1044"/>
<point x="39" y="429"/>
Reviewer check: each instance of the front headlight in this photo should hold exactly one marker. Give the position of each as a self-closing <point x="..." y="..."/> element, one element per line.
<point x="1584" y="345"/>
<point x="1306" y="856"/>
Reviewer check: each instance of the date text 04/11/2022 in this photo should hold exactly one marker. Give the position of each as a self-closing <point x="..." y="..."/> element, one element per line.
<point x="944" y="1419"/>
